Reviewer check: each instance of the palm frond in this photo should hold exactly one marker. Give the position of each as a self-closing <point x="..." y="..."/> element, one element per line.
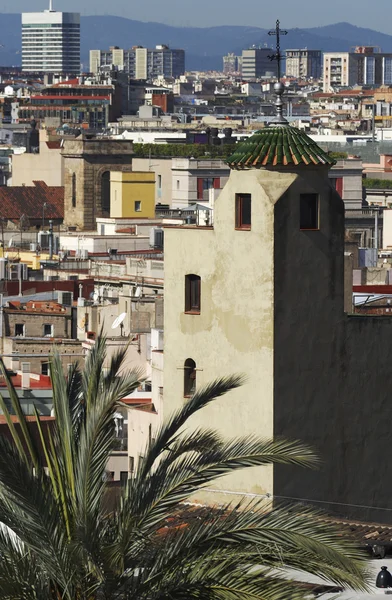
<point x="203" y="397"/>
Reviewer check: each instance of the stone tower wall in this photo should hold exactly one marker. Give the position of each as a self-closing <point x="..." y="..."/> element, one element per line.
<point x="88" y="160"/>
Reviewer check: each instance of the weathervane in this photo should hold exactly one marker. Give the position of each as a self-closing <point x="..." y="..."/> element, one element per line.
<point x="278" y="87"/>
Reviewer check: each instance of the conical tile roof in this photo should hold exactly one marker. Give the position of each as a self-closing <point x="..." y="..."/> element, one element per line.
<point x="278" y="145"/>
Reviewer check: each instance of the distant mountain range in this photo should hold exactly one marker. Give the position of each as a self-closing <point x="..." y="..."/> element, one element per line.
<point x="204" y="47"/>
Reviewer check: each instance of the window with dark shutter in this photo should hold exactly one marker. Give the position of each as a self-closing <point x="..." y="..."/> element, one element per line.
<point x="243" y="211"/>
<point x="192" y="294"/>
<point x="309" y="212"/>
<point x="200" y="188"/>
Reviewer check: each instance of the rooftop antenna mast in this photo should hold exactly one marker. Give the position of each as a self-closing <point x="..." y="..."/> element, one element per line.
<point x="51" y="6"/>
<point x="278" y="87"/>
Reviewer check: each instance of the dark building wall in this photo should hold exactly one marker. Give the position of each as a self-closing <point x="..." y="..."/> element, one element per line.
<point x="331" y="371"/>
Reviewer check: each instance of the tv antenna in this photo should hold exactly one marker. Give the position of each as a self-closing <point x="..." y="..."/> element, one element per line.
<point x="119" y="322"/>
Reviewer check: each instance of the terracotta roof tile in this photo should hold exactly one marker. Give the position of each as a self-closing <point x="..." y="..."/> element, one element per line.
<point x="278" y="145"/>
<point x="56" y="144"/>
<point x="28" y="200"/>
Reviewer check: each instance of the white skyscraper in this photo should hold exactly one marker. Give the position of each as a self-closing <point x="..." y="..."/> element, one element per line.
<point x="51" y="41"/>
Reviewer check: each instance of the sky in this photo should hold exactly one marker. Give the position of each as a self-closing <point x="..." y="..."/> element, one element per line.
<point x="207" y="13"/>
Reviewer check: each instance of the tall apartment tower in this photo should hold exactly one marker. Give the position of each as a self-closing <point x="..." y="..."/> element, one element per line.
<point x="365" y="66"/>
<point x="303" y="63"/>
<point x="256" y="63"/>
<point x="230" y="63"/>
<point x="51" y="41"/>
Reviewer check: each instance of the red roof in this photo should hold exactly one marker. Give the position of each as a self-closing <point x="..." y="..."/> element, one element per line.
<point x="43" y="383"/>
<point x="28" y="200"/>
<point x="69" y="97"/>
<point x="15" y="419"/>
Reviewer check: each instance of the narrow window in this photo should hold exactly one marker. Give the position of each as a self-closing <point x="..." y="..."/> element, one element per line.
<point x="19" y="330"/>
<point x="131" y="465"/>
<point x="73" y="190"/>
<point x="48" y="330"/>
<point x="45" y="368"/>
<point x="178" y="184"/>
<point x="243" y="211"/>
<point x="189" y="377"/>
<point x="105" y="192"/>
<point x="192" y="294"/>
<point x="309" y="211"/>
<point x="138" y="205"/>
<point x="123" y="477"/>
<point x="159" y="182"/>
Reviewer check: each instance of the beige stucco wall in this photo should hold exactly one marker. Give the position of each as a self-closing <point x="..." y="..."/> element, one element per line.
<point x="162" y="167"/>
<point x="234" y="332"/>
<point x="46" y="166"/>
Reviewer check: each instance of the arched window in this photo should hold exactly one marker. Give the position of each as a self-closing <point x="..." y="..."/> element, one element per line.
<point x="105" y="192"/>
<point x="189" y="377"/>
<point x="73" y="188"/>
<point x="192" y="294"/>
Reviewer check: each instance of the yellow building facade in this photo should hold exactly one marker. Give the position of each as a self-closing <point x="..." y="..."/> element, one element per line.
<point x="132" y="195"/>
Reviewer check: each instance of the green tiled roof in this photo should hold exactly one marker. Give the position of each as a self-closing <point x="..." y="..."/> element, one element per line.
<point x="278" y="145"/>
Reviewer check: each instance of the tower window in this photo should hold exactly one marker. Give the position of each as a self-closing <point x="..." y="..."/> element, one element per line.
<point x="189" y="377"/>
<point x="138" y="205"/>
<point x="309" y="211"/>
<point x="243" y="212"/>
<point x="105" y="192"/>
<point x="192" y="294"/>
<point x="73" y="190"/>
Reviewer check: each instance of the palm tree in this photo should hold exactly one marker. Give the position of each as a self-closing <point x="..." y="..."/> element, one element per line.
<point x="57" y="540"/>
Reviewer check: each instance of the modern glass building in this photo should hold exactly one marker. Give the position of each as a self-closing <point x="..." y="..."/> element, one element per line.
<point x="51" y="42"/>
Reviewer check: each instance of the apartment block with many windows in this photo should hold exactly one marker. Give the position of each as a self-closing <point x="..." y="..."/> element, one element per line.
<point x="365" y="66"/>
<point x="141" y="63"/>
<point x="51" y="42"/>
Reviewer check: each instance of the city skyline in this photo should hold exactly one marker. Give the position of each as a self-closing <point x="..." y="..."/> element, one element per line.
<point x="174" y="12"/>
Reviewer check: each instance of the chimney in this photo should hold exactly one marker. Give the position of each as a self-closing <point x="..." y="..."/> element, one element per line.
<point x="25" y="366"/>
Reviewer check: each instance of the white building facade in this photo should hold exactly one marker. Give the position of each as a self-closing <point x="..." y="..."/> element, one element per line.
<point x="51" y="42"/>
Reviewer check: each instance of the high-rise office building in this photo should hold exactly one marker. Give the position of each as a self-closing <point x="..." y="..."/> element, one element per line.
<point x="256" y="63"/>
<point x="365" y="66"/>
<point x="139" y="62"/>
<point x="51" y="41"/>
<point x="303" y="63"/>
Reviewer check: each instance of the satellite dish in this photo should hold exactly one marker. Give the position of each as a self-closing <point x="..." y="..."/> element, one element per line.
<point x="118" y="320"/>
<point x="138" y="291"/>
<point x="10" y="243"/>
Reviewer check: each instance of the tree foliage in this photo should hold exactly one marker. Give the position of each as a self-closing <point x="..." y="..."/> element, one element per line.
<point x="373" y="183"/>
<point x="58" y="541"/>
<point x="183" y="150"/>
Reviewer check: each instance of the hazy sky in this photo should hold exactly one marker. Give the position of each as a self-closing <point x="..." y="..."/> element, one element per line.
<point x="204" y="13"/>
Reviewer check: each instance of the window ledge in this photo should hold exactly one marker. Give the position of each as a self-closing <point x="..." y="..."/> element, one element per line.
<point x="192" y="312"/>
<point x="309" y="229"/>
<point x="243" y="229"/>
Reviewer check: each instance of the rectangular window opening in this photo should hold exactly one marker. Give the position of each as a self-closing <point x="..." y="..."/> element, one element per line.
<point x="48" y="330"/>
<point x="309" y="212"/>
<point x="19" y="330"/>
<point x="243" y="211"/>
<point x="138" y="205"/>
<point x="192" y="294"/>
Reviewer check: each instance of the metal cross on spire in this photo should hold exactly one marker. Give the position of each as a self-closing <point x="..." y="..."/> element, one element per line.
<point x="278" y="87"/>
<point x="278" y="55"/>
